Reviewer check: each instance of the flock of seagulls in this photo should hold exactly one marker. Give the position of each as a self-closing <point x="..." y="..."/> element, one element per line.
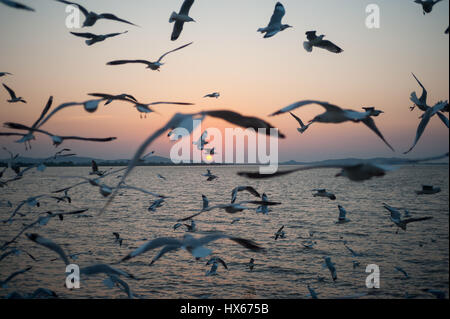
<point x="356" y="171"/>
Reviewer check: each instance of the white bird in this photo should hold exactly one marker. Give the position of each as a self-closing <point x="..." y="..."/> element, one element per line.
<point x="155" y="66"/>
<point x="2" y="74"/>
<point x="275" y="24"/>
<point x="264" y="209"/>
<point x="322" y="192"/>
<point x="16" y="5"/>
<point x="4" y="283"/>
<point x="189" y="243"/>
<point x="331" y="267"/>
<point x="302" y="127"/>
<point x="428" y="190"/>
<point x="427" y="5"/>
<point x="342" y="216"/>
<point x="161" y="177"/>
<point x="95" y="38"/>
<point x="12" y="94"/>
<point x="213" y="95"/>
<point x="319" y="42"/>
<point x="91" y="17"/>
<point x="334" y="114"/>
<point x="396" y="218"/>
<point x="357" y="171"/>
<point x="192" y="228"/>
<point x="180" y="18"/>
<point x="215" y="263"/>
<point x="50" y="245"/>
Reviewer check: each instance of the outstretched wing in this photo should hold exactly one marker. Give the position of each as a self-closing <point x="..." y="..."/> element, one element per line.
<point x="298" y="119"/>
<point x="277" y="15"/>
<point x="120" y="62"/>
<point x="86" y="35"/>
<point x="186" y="6"/>
<point x="421" y="128"/>
<point x="10" y="91"/>
<point x="328" y="45"/>
<point x="44" y="112"/>
<point x="329" y="107"/>
<point x="111" y="16"/>
<point x="16" y="5"/>
<point x="370" y="123"/>
<point x="182" y="47"/>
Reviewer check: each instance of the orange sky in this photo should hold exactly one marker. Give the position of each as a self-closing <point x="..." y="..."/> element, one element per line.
<point x="255" y="76"/>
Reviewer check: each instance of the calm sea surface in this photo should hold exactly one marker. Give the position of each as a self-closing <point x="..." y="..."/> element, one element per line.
<point x="283" y="272"/>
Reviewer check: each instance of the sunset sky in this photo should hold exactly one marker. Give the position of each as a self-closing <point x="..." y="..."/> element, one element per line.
<point x="255" y="76"/>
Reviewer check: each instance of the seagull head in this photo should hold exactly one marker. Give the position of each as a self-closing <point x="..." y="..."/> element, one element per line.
<point x="57" y="140"/>
<point x="285" y="26"/>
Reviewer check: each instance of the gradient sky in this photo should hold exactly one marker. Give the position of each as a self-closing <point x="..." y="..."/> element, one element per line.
<point x="255" y="76"/>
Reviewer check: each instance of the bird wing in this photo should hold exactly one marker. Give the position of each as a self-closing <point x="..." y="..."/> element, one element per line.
<point x="16" y="5"/>
<point x="170" y="103"/>
<point x="298" y="119"/>
<point x="182" y="47"/>
<point x="412" y="220"/>
<point x="164" y="251"/>
<point x="370" y="123"/>
<point x="110" y="35"/>
<point x="328" y="45"/>
<point x="153" y="244"/>
<point x="423" y="97"/>
<point x="444" y="119"/>
<point x="84" y="35"/>
<point x="311" y="35"/>
<point x="120" y="62"/>
<point x="44" y="112"/>
<point x="186" y="6"/>
<point x="279" y="230"/>
<point x="277" y="15"/>
<point x="296" y="105"/>
<point x="421" y="128"/>
<point x="177" y="29"/>
<point x="10" y="91"/>
<point x="10" y="277"/>
<point x="50" y="245"/>
<point x="111" y="16"/>
<point x="82" y="9"/>
<point x="220" y="260"/>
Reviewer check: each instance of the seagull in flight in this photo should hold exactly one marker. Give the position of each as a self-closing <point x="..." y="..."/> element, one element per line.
<point x="331" y="267"/>
<point x="428" y="190"/>
<point x="91" y="17"/>
<point x="302" y="127"/>
<point x="156" y="204"/>
<point x="215" y="264"/>
<point x="335" y="114"/>
<point x="373" y="112"/>
<point x="238" y="189"/>
<point x="396" y="218"/>
<point x="118" y="239"/>
<point x="95" y="170"/>
<point x="202" y="141"/>
<point x="50" y="245"/>
<point x="275" y="24"/>
<point x="155" y="66"/>
<point x="189" y="243"/>
<point x="427" y="5"/>
<point x="323" y="193"/>
<point x="2" y="74"/>
<point x="264" y="209"/>
<point x="342" y="216"/>
<point x="210" y="176"/>
<point x="111" y="98"/>
<point x="12" y="94"/>
<point x="280" y="233"/>
<point x="16" y="5"/>
<point x="94" y="38"/>
<point x="213" y="95"/>
<point x="319" y="42"/>
<point x="180" y="18"/>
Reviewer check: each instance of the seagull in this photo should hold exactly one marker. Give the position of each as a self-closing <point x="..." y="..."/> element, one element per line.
<point x="210" y="176"/>
<point x="402" y="271"/>
<point x="210" y="151"/>
<point x="309" y="244"/>
<point x="2" y="74"/>
<point x="161" y="177"/>
<point x="91" y="17"/>
<point x="156" y="204"/>
<point x="155" y="66"/>
<point x="192" y="228"/>
<point x="193" y="245"/>
<point x="249" y="189"/>
<point x="342" y="216"/>
<point x="319" y="42"/>
<point x="202" y="141"/>
<point x="50" y="245"/>
<point x="421" y="102"/>
<point x="280" y="233"/>
<point x="331" y="267"/>
<point x="180" y="18"/>
<point x="396" y="218"/>
<point x="312" y="293"/>
<point x="16" y="5"/>
<point x="323" y="193"/>
<point x="251" y="264"/>
<point x="357" y="171"/>
<point x="428" y="190"/>
<point x="275" y="24"/>
<point x="118" y="239"/>
<point x="4" y="283"/>
<point x="215" y="263"/>
<point x="264" y="209"/>
<point x="426" y="117"/>
<point x="94" y="38"/>
<point x="335" y="114"/>
<point x="302" y="127"/>
<point x="205" y="202"/>
<point x="213" y="95"/>
<point x="65" y="198"/>
<point x="58" y="140"/>
<point x="12" y="94"/>
<point x="427" y="5"/>
<point x="373" y="112"/>
<point x="110" y="98"/>
<point x="113" y="280"/>
<point x="95" y="170"/>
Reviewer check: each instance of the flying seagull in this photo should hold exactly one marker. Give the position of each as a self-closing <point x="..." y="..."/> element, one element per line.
<point x="2" y="74"/>
<point x="94" y="38"/>
<point x="118" y="239"/>
<point x="110" y="98"/>
<point x="323" y="193"/>
<point x="335" y="114"/>
<point x="264" y="209"/>
<point x="238" y="189"/>
<point x="156" y="204"/>
<point x="189" y="243"/>
<point x="155" y="66"/>
<point x="302" y="127"/>
<point x="421" y="102"/>
<point x="356" y="171"/>
<point x="396" y="218"/>
<point x="331" y="267"/>
<point x="372" y="111"/>
<point x="50" y="245"/>
<point x="275" y="24"/>
<point x="213" y="95"/>
<point x="12" y="94"/>
<point x="427" y="5"/>
<point x="16" y="5"/>
<point x="319" y="42"/>
<point x="202" y="141"/>
<point x="342" y="216"/>
<point x="280" y="233"/>
<point x="428" y="190"/>
<point x="95" y="170"/>
<point x="105" y="269"/>
<point x="180" y="18"/>
<point x="91" y="17"/>
<point x="215" y="263"/>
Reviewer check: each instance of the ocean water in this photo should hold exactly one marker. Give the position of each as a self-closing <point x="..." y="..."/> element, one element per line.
<point x="283" y="271"/>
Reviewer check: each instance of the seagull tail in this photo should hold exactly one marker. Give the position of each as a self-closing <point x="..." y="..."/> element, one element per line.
<point x="307" y="45"/>
<point x="173" y="17"/>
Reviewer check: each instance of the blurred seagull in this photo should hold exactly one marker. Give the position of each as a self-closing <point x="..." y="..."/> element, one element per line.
<point x="421" y="102"/>
<point x="213" y="95"/>
<point x="4" y="283"/>
<point x="396" y="218"/>
<point x="342" y="216"/>
<point x="155" y="66"/>
<point x="161" y="177"/>
<point x="94" y="38"/>
<point x="189" y="243"/>
<point x="192" y="228"/>
<point x="95" y="170"/>
<point x="180" y="18"/>
<point x="50" y="245"/>
<point x="105" y="269"/>
<point x="280" y="233"/>
<point x="12" y="94"/>
<point x="238" y="189"/>
<point x="4" y="74"/>
<point x="312" y="293"/>
<point x="202" y="141"/>
<point x="428" y="190"/>
<point x="16" y="5"/>
<point x="331" y="267"/>
<point x="302" y="127"/>
<point x="323" y="193"/>
<point x="214" y="262"/>
<point x="156" y="204"/>
<point x="319" y="42"/>
<point x="264" y="209"/>
<point x="251" y="264"/>
<point x="118" y="239"/>
<point x="335" y="114"/>
<point x="110" y="98"/>
<point x="275" y="24"/>
<point x="427" y="5"/>
<point x="372" y="111"/>
<point x="91" y="17"/>
<point x="210" y="176"/>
